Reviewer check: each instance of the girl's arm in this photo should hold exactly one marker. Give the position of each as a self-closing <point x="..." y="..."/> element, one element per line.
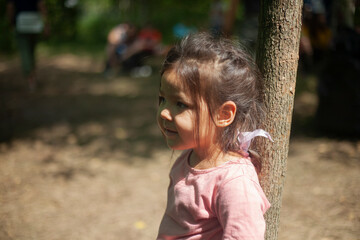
<point x="241" y="204"/>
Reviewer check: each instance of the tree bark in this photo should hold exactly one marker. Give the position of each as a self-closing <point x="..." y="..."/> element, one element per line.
<point x="277" y="57"/>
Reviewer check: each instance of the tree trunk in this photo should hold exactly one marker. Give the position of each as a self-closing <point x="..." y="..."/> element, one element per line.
<point x="277" y="57"/>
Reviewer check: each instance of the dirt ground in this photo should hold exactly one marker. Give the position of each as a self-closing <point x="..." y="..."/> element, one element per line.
<point x="82" y="158"/>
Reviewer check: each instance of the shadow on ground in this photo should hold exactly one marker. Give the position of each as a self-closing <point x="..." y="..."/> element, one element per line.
<point x="78" y="105"/>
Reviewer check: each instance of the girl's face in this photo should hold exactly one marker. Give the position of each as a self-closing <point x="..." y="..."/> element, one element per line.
<point x="177" y="116"/>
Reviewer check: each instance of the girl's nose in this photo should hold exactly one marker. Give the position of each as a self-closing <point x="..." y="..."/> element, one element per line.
<point x="166" y="114"/>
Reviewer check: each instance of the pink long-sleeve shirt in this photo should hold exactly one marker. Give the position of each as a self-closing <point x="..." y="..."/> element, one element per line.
<point x="224" y="202"/>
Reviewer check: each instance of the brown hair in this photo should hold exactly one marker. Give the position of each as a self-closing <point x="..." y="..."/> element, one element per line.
<point x="219" y="70"/>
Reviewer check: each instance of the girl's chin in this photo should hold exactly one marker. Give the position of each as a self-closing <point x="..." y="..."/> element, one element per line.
<point x="174" y="145"/>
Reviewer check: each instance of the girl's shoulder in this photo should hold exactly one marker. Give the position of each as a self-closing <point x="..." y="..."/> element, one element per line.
<point x="240" y="167"/>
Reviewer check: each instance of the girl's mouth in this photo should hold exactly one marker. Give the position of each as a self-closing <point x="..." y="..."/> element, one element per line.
<point x="169" y="132"/>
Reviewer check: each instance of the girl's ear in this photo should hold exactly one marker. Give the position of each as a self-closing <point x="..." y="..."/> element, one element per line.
<point x="226" y="114"/>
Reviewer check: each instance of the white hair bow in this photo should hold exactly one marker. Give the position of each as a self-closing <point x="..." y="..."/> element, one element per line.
<point x="244" y="138"/>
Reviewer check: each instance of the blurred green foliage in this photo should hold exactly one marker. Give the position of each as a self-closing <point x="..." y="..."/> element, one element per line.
<point x="62" y="20"/>
<point x="96" y="20"/>
<point x="89" y="21"/>
<point x="6" y="37"/>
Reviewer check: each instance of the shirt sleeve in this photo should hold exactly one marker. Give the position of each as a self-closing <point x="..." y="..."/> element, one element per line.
<point x="241" y="204"/>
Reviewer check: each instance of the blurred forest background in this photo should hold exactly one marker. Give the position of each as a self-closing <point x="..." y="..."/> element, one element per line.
<point x="89" y="21"/>
<point x="81" y="156"/>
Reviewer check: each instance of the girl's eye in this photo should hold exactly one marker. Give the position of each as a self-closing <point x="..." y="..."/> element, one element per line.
<point x="161" y="100"/>
<point x="181" y="105"/>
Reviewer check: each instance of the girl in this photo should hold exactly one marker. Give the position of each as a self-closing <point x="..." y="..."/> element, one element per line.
<point x="209" y="98"/>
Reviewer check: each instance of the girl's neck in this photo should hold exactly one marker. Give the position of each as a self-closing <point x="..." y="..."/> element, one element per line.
<point x="211" y="158"/>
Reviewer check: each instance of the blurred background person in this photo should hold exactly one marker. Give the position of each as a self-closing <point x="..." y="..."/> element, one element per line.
<point x="316" y="35"/>
<point x="127" y="49"/>
<point x="118" y="40"/>
<point x="147" y="43"/>
<point x="27" y="18"/>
